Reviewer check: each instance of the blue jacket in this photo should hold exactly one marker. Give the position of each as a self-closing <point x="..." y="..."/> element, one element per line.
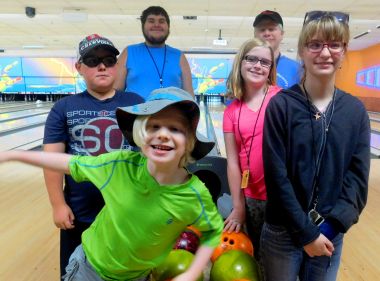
<point x="289" y="151"/>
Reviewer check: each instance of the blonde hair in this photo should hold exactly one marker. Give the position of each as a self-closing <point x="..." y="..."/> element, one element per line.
<point x="235" y="82"/>
<point x="139" y="136"/>
<point x="328" y="28"/>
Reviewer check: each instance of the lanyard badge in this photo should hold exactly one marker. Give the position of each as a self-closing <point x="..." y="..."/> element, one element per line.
<point x="244" y="179"/>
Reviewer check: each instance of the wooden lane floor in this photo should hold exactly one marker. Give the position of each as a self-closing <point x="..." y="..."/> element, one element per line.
<point x="361" y="250"/>
<point x="25" y="139"/>
<point x="375" y="126"/>
<point x="29" y="239"/>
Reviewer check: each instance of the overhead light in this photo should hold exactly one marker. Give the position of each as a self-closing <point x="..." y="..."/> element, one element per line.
<point x="74" y="15"/>
<point x="33" y="46"/>
<point x="362" y="34"/>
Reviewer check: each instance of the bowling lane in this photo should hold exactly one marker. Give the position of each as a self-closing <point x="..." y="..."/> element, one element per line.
<point x="6" y="108"/>
<point x="216" y="111"/>
<point x="217" y="133"/>
<point x="22" y="114"/>
<point x="23" y="122"/>
<point x="375" y="125"/>
<point x="28" y="138"/>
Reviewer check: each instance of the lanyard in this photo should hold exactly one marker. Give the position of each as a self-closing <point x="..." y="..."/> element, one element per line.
<point x="248" y="153"/>
<point x="319" y="155"/>
<point x="160" y="75"/>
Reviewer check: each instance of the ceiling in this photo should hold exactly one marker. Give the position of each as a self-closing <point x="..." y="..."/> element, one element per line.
<point x="119" y="21"/>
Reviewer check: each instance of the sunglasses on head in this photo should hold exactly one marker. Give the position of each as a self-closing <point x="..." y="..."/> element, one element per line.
<point x="93" y="61"/>
<point x="317" y="15"/>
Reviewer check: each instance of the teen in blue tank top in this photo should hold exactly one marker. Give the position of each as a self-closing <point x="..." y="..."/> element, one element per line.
<point x="147" y="66"/>
<point x="142" y="75"/>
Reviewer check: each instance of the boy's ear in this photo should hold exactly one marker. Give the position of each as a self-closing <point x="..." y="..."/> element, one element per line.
<point x="78" y="67"/>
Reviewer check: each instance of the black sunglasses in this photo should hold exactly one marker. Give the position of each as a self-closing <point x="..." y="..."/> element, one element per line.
<point x="317" y="15"/>
<point x="92" y="61"/>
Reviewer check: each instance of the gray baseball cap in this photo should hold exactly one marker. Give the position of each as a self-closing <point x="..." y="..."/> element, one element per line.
<point x="158" y="100"/>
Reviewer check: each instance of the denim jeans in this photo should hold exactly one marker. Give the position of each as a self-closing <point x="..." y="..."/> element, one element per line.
<point x="284" y="261"/>
<point x="79" y="269"/>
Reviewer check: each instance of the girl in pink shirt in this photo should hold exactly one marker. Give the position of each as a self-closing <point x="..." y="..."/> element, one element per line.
<point x="252" y="82"/>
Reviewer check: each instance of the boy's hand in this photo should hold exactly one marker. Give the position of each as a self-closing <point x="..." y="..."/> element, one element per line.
<point x="63" y="217"/>
<point x="235" y="220"/>
<point x="319" y="247"/>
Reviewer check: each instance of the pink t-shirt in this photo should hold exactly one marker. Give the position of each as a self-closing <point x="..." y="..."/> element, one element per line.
<point x="256" y="185"/>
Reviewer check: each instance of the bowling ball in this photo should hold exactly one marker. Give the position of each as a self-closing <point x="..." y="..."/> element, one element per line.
<point x="177" y="262"/>
<point x="233" y="241"/>
<point x="188" y="241"/>
<point x="235" y="265"/>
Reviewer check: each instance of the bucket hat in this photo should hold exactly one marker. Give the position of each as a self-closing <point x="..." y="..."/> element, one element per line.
<point x="158" y="100"/>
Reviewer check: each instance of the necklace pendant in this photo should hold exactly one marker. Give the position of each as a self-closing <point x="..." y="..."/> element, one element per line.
<point x="317" y="115"/>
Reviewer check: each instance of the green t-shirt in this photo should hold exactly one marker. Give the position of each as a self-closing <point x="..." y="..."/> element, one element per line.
<point x="141" y="219"/>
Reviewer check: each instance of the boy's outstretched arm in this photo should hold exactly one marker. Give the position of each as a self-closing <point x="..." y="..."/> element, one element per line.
<point x="51" y="160"/>
<point x="202" y="257"/>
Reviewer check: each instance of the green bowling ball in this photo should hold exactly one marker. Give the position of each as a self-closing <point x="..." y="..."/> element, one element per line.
<point x="235" y="265"/>
<point x="176" y="263"/>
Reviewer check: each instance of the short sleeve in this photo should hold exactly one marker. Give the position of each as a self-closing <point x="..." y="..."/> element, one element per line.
<point x="96" y="169"/>
<point x="55" y="126"/>
<point x="228" y="118"/>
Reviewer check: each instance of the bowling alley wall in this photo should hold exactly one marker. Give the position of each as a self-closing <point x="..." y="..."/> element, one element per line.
<point x="57" y="75"/>
<point x="360" y="76"/>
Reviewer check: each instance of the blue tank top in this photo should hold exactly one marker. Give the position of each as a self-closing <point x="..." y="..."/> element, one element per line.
<point x="143" y="77"/>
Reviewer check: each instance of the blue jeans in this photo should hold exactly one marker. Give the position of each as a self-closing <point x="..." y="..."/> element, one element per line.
<point x="284" y="261"/>
<point x="79" y="269"/>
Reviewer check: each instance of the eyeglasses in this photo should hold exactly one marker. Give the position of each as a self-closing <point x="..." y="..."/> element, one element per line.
<point x="253" y="60"/>
<point x="317" y="15"/>
<point x="95" y="61"/>
<point x="317" y="46"/>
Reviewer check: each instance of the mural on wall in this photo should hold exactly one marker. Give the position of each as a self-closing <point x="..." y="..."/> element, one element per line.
<point x="11" y="75"/>
<point x="210" y="74"/>
<point x="33" y="75"/>
<point x="39" y="75"/>
<point x="369" y="77"/>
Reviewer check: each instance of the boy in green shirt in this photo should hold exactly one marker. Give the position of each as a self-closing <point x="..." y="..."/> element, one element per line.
<point x="149" y="197"/>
